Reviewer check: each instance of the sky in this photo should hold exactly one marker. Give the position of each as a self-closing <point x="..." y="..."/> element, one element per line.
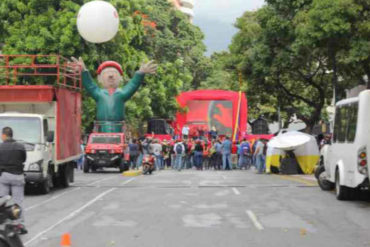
<point x="216" y="19"/>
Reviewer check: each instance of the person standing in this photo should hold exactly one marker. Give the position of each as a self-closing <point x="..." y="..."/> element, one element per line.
<point x="134" y="153"/>
<point x="141" y="154"/>
<point x="218" y="155"/>
<point x="156" y="148"/>
<point x="245" y="155"/>
<point x="12" y="157"/>
<point x="259" y="154"/>
<point x="198" y="155"/>
<point x="166" y="154"/>
<point x="226" y="154"/>
<point x="185" y="132"/>
<point x="213" y="133"/>
<point x="179" y="150"/>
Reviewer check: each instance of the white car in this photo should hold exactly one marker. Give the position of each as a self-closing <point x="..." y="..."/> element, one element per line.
<point x="344" y="163"/>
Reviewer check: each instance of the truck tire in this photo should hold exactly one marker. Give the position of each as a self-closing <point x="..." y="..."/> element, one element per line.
<point x="342" y="192"/>
<point x="123" y="166"/>
<point x="324" y="184"/>
<point x="86" y="166"/>
<point x="64" y="175"/>
<point x="46" y="185"/>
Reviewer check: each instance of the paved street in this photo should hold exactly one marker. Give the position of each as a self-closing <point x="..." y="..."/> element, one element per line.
<point x="195" y="208"/>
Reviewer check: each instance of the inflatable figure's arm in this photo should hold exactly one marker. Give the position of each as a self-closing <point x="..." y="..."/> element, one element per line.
<point x="90" y="85"/>
<point x="130" y="88"/>
<point x="87" y="81"/>
<point x="133" y="85"/>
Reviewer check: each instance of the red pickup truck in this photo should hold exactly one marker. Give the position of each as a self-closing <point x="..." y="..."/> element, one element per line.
<point x="105" y="150"/>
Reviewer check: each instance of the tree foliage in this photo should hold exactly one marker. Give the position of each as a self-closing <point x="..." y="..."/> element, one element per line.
<point x="293" y="52"/>
<point x="49" y="27"/>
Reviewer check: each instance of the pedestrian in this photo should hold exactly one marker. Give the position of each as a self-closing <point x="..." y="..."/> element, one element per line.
<point x="166" y="154"/>
<point x="139" y="160"/>
<point x="234" y="154"/>
<point x="156" y="148"/>
<point x="260" y="155"/>
<point x="218" y="155"/>
<point x="226" y="154"/>
<point x="206" y="154"/>
<point x="213" y="133"/>
<point x="179" y="150"/>
<point x="12" y="157"/>
<point x="198" y="155"/>
<point x="185" y="132"/>
<point x="245" y="155"/>
<point x="134" y="153"/>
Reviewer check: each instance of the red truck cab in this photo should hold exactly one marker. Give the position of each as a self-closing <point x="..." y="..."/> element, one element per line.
<point x="105" y="150"/>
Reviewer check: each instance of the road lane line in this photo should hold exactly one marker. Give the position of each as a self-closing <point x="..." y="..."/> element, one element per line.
<point x="100" y="180"/>
<point x="254" y="219"/>
<point x="50" y="199"/>
<point x="298" y="180"/>
<point x="236" y="191"/>
<point x="62" y="194"/>
<point x="74" y="213"/>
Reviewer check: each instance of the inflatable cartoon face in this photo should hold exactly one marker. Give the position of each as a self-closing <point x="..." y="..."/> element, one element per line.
<point x="110" y="78"/>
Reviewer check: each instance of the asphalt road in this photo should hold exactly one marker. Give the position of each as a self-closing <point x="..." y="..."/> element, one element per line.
<point x="195" y="208"/>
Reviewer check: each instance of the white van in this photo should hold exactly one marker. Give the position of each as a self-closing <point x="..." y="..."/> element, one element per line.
<point x="344" y="163"/>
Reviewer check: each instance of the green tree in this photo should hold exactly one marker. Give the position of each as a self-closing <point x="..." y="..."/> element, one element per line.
<point x="49" y="27"/>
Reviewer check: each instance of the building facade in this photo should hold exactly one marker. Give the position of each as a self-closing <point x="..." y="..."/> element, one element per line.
<point x="185" y="6"/>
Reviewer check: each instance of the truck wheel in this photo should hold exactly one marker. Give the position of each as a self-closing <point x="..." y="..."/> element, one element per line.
<point x="122" y="166"/>
<point x="342" y="192"/>
<point x="86" y="166"/>
<point x="72" y="171"/>
<point x="322" y="181"/>
<point x="64" y="175"/>
<point x="47" y="184"/>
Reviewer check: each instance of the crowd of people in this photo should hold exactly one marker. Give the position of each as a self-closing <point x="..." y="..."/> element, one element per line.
<point x="218" y="153"/>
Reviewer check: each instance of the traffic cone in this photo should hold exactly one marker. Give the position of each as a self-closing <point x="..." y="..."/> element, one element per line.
<point x="66" y="240"/>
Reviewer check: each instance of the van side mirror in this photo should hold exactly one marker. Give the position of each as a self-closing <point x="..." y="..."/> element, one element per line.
<point x="50" y="136"/>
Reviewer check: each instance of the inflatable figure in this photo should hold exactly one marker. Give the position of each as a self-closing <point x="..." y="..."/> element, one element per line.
<point x="110" y="100"/>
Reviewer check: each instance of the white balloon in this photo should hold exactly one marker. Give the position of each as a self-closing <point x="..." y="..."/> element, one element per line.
<point x="97" y="21"/>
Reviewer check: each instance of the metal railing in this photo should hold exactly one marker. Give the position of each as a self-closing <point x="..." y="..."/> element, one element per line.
<point x="39" y="70"/>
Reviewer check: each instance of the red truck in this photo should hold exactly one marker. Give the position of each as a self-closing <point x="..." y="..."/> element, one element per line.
<point x="40" y="99"/>
<point x="105" y="150"/>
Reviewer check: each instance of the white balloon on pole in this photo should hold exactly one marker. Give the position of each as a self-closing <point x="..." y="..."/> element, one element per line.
<point x="97" y="21"/>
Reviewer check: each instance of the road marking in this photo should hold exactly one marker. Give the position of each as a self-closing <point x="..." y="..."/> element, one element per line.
<point x="100" y="180"/>
<point x="62" y="194"/>
<point x="223" y="177"/>
<point x="254" y="219"/>
<point x="50" y="199"/>
<point x="236" y="191"/>
<point x="299" y="180"/>
<point x="74" y="213"/>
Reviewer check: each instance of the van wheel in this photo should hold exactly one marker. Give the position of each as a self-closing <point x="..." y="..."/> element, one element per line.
<point x="322" y="181"/>
<point x="342" y="192"/>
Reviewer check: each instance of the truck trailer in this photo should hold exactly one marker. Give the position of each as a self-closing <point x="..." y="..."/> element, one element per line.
<point x="40" y="99"/>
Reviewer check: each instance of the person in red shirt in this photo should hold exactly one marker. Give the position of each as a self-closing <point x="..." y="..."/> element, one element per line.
<point x="234" y="154"/>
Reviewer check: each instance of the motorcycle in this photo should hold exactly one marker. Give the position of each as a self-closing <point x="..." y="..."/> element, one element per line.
<point x="148" y="164"/>
<point x="9" y="232"/>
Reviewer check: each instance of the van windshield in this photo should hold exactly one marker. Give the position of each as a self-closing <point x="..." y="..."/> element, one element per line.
<point x="106" y="139"/>
<point x="27" y="129"/>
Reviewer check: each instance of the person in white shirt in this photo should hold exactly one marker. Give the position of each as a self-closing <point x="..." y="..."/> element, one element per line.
<point x="185" y="132"/>
<point x="179" y="150"/>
